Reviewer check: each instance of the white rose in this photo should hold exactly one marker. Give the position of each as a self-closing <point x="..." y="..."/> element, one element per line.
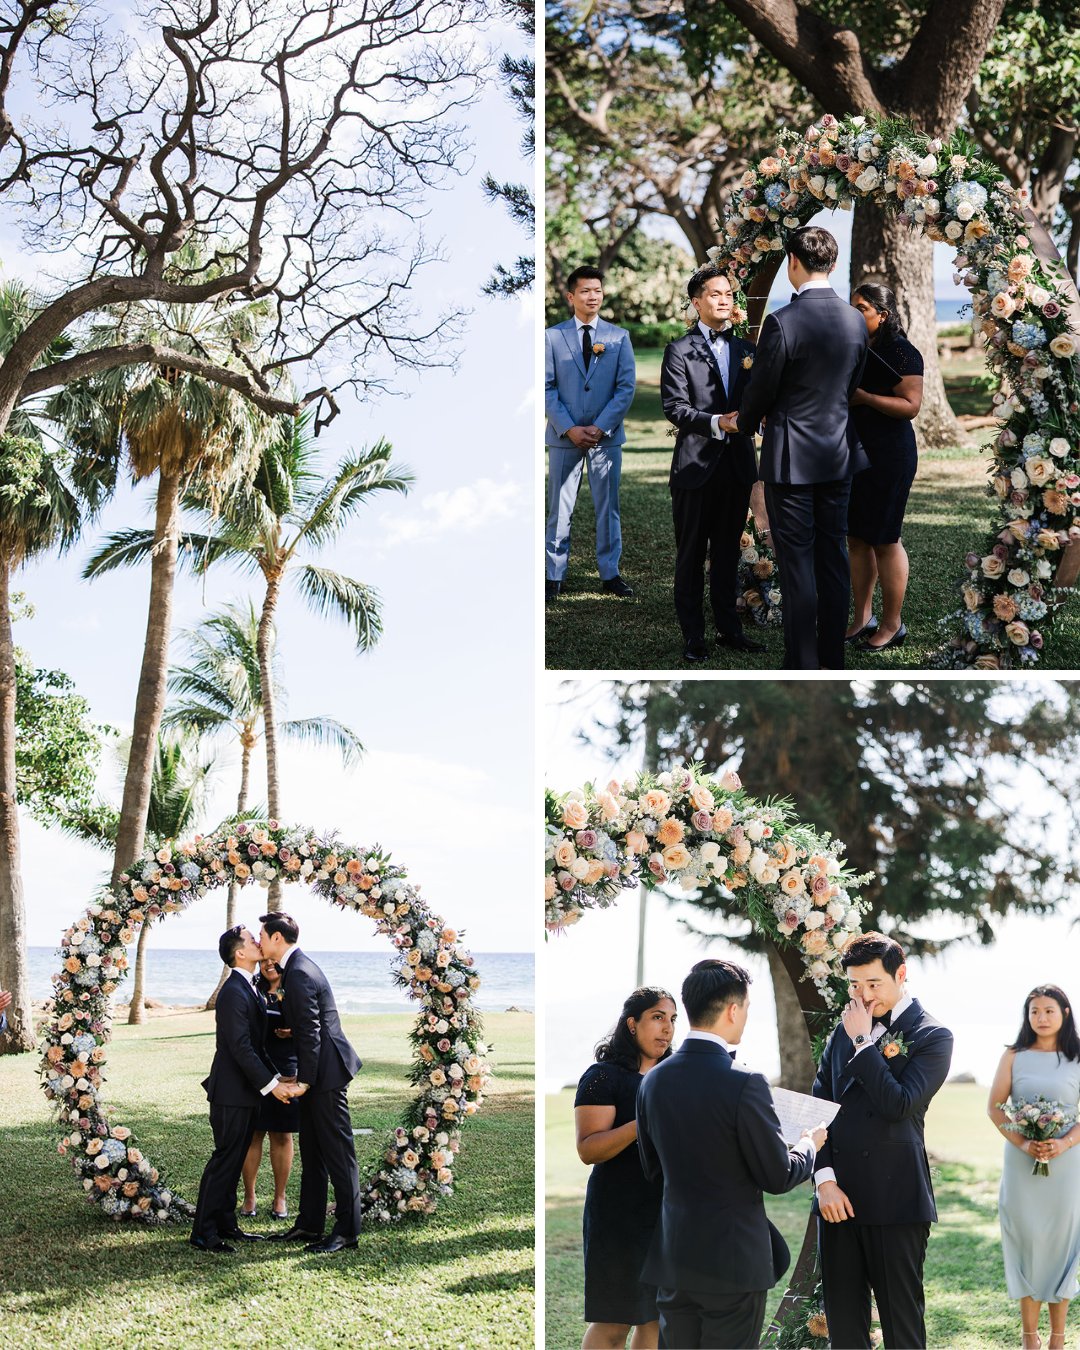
<point x="710" y="853"/>
<point x="814" y="919"/>
<point x="1058" y="447"/>
<point x="755" y="830"/>
<point x="965" y="211"/>
<point x="1037" y="295"/>
<point x="831" y="190"/>
<point x="665" y="780"/>
<point x="770" y="875"/>
<point x="1063" y="345"/>
<point x="579" y="868"/>
<point x="1043" y="570"/>
<point x="866" y="154"/>
<point x="926" y="167"/>
<point x="1018" y="577"/>
<point x="1018" y="478"/>
<point x="953" y="230"/>
<point x="868" y="179"/>
<point x="817" y="184"/>
<point x="832" y="867"/>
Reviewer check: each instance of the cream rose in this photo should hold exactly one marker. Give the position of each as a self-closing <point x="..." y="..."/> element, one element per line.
<point x="1063" y="345"/>
<point x="676" y="857"/>
<point x="575" y="815"/>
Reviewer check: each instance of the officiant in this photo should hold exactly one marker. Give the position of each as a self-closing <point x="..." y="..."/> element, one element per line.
<point x="882" y="408"/>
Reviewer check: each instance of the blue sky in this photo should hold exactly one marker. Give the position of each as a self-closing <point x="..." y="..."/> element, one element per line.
<point x="444" y="703"/>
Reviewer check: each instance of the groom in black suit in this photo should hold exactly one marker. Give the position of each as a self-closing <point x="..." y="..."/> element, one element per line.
<point x="712" y="471"/>
<point x="810" y="356"/>
<point x="240" y="1076"/>
<point x="875" y="1204"/>
<point x="325" y="1065"/>
<point x="708" y="1127"/>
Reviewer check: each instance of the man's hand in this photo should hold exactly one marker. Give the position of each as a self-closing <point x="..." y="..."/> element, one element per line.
<point x="582" y="437"/>
<point x="596" y="434"/>
<point x="817" y="1136"/>
<point x="5" y="1001"/>
<point x="728" y="422"/>
<point x="857" y="1019"/>
<point x="284" y="1092"/>
<point x="283" y="1032"/>
<point x="834" y="1205"/>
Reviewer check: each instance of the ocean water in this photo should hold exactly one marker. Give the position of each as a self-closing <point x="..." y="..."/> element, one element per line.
<point x="362" y="981"/>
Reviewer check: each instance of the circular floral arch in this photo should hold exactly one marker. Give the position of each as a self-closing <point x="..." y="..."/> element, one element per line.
<point x="1030" y="319"/>
<point x="449" y="1068"/>
<point x="684" y="828"/>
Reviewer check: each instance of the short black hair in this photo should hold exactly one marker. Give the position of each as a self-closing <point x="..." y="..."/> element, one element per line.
<point x="282" y="923"/>
<point x="709" y="272"/>
<point x="710" y="987"/>
<point x="583" y="274"/>
<point x="865" y="948"/>
<point x="814" y="247"/>
<point x="230" y="943"/>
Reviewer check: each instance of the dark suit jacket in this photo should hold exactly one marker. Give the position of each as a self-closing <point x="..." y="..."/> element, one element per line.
<point x="709" y="1128"/>
<point x="324" y="1058"/>
<point x="241" y="1068"/>
<point x="692" y="392"/>
<point x="876" y="1144"/>
<point x="810" y="356"/>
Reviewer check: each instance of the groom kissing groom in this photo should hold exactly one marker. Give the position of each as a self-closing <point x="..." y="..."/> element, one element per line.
<point x="883" y="1064"/>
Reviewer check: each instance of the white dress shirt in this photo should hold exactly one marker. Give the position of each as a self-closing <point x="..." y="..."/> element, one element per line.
<point x="876" y="1032"/>
<point x="695" y="1035"/>
<point x="249" y="975"/>
<point x="814" y="284"/>
<point x="721" y="354"/>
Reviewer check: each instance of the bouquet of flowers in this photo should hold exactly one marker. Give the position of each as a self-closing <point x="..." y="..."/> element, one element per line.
<point x="1039" y="1120"/>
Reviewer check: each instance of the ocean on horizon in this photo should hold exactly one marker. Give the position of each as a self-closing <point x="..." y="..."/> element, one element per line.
<point x="362" y="981"/>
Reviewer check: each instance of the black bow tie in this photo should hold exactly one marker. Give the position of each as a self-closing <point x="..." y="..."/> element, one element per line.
<point x="719" y="335"/>
<point x="885" y="1020"/>
<point x="732" y="1054"/>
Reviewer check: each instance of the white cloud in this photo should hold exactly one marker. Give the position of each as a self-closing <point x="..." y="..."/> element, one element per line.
<point x="463" y="509"/>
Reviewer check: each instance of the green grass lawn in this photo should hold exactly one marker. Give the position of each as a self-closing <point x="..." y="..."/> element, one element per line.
<point x="966" y="1304"/>
<point x="949" y="511"/>
<point x="463" y="1277"/>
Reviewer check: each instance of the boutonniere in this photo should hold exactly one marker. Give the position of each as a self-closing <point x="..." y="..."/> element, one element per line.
<point x="892" y="1044"/>
<point x="598" y="349"/>
<point x="747" y="362"/>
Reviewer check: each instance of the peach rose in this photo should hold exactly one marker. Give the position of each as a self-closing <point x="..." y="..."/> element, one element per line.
<point x="701" y="798"/>
<point x="815" y="942"/>
<point x="676" y="858"/>
<point x="722" y="820"/>
<point x="993" y="566"/>
<point x="656" y="803"/>
<point x="565" y="853"/>
<point x="1017" y="633"/>
<point x="636" y="842"/>
<point x="575" y="815"/>
<point x="791" y="883"/>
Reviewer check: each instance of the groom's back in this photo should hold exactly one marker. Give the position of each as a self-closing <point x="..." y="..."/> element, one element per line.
<point x="806" y="432"/>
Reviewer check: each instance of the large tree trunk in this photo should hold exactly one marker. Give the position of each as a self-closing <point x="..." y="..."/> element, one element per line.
<point x="247" y="742"/>
<point x="796" y="1061"/>
<point x="137" y="1005"/>
<point x="265" y="643"/>
<point x="13" y="973"/>
<point x="150" y="700"/>
<point x="883" y="249"/>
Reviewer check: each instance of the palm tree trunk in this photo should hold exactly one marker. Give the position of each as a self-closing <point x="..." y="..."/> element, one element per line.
<point x="247" y="741"/>
<point x="266" y="676"/>
<point x="149" y="702"/>
<point x="13" y="973"/>
<point x="137" y="1007"/>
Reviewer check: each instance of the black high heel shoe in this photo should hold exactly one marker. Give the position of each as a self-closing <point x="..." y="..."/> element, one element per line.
<point x="897" y="640"/>
<point x="870" y="626"/>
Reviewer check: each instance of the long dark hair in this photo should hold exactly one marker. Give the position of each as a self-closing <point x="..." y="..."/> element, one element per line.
<point x="1068" y="1042"/>
<point x="884" y="301"/>
<point x="619" y="1046"/>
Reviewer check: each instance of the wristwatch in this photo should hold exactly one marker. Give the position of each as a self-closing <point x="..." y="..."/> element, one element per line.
<point x="860" y="1041"/>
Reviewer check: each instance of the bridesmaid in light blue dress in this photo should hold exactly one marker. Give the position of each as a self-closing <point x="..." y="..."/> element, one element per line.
<point x="1040" y="1216"/>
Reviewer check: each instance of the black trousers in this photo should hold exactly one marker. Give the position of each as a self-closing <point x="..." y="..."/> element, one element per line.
<point x="215" y="1209"/>
<point x="700" y="1321"/>
<point x="887" y="1258"/>
<point x="327" y="1154"/>
<point x="809" y="532"/>
<point x="708" y="519"/>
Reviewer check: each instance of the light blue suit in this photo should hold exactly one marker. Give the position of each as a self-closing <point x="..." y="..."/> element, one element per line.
<point x="575" y="397"/>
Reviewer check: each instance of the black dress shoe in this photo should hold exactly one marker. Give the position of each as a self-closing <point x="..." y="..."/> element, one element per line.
<point x="334" y="1243"/>
<point x="739" y="642"/>
<point x="552" y="589"/>
<point x="616" y="586"/>
<point x="218" y="1248"/>
<point x="897" y="640"/>
<point x="870" y="626"/>
<point x="238" y="1235"/>
<point x="696" y="650"/>
<point x="296" y="1234"/>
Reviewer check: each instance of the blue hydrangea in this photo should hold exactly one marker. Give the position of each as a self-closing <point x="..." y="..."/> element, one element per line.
<point x="1033" y="444"/>
<point x="454" y="978"/>
<point x="1030" y="609"/>
<point x="974" y="193"/>
<point x="996" y="282"/>
<point x="1029" y="335"/>
<point x="426" y="942"/>
<point x="191" y="871"/>
<point x="83" y="1044"/>
<point x="1039" y="404"/>
<point x="774" y="194"/>
<point x="403" y="1179"/>
<point x="86" y="976"/>
<point x="114" y="1150"/>
<point x="976" y="626"/>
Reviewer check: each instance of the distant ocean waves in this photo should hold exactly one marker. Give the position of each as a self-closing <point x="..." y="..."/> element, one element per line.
<point x="362" y="981"/>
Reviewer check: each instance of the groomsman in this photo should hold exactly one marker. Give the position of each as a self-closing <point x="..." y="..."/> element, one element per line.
<point x="810" y="356"/>
<point x="712" y="471"/>
<point x="708" y="1127"/>
<point x="589" y="385"/>
<point x="240" y="1075"/>
<point x="875" y="1204"/>
<point x="325" y="1065"/>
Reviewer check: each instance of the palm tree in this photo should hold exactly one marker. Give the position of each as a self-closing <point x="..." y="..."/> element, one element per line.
<point x="220" y="693"/>
<point x="180" y="428"/>
<point x="38" y="511"/>
<point x="268" y="526"/>
<point x="178" y="787"/>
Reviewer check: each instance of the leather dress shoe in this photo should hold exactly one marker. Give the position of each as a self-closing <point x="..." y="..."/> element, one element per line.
<point x="616" y="586"/>
<point x="296" y="1234"/>
<point x="238" y="1235"/>
<point x="870" y="626"/>
<point x="336" y="1242"/>
<point x="218" y="1248"/>
<point x="739" y="642"/>
<point x="696" y="650"/>
<point x="552" y="589"/>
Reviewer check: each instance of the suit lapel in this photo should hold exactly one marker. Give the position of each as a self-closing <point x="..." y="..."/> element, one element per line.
<point x="570" y="332"/>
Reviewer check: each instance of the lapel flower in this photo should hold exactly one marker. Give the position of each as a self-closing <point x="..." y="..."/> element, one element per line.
<point x="747" y="362"/>
<point x="892" y="1044"/>
<point x="598" y="349"/>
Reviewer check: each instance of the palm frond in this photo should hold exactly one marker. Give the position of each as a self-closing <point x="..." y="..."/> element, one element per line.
<point x="325" y="731"/>
<point x="329" y="592"/>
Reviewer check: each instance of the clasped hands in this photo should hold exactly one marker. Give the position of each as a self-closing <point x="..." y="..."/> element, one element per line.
<point x="728" y="422"/>
<point x="287" y="1089"/>
<point x="585" y="438"/>
<point x="1043" y="1149"/>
